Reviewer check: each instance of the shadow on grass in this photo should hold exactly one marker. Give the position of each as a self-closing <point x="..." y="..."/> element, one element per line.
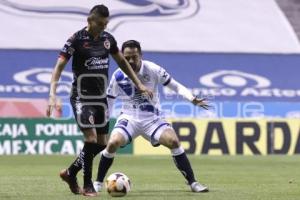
<point x="169" y="193"/>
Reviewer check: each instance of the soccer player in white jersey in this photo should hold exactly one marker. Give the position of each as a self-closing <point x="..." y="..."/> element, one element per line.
<point x="141" y="115"/>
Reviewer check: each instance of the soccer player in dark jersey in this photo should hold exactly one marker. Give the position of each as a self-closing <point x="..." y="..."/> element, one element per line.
<point x="90" y="48"/>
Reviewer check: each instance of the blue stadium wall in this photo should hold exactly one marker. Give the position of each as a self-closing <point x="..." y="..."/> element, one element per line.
<point x="244" y="70"/>
<point x="255" y="87"/>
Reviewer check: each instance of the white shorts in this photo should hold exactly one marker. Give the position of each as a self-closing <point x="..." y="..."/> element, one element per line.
<point x="150" y="128"/>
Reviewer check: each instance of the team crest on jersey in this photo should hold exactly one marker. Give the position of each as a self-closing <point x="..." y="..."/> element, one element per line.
<point x="106" y="44"/>
<point x="146" y="77"/>
<point x="91" y="119"/>
<point x="86" y="45"/>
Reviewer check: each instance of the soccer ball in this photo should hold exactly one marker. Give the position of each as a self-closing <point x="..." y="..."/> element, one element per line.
<point x="117" y="184"/>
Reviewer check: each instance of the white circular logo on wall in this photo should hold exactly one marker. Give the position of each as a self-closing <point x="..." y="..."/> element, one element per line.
<point x="39" y="75"/>
<point x="37" y="81"/>
<point x="233" y="78"/>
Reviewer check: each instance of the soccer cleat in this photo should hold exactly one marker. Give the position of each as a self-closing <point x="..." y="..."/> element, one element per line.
<point x="71" y="181"/>
<point x="197" y="187"/>
<point x="98" y="186"/>
<point x="89" y="191"/>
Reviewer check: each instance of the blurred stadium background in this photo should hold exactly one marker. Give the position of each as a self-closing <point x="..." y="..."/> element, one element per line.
<point x="243" y="55"/>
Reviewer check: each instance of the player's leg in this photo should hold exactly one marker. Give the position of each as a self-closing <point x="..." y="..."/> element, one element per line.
<point x="121" y="135"/>
<point x="169" y="139"/>
<point x="166" y="136"/>
<point x="85" y="161"/>
<point x="86" y="157"/>
<point x="76" y="166"/>
<point x="102" y="125"/>
<point x="69" y="175"/>
<point x="102" y="120"/>
<point x="116" y="140"/>
<point x="102" y="137"/>
<point x="86" y="123"/>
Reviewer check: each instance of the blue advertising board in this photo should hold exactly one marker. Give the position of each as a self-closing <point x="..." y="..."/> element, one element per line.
<point x="226" y="77"/>
<point x="229" y="79"/>
<point x="235" y="77"/>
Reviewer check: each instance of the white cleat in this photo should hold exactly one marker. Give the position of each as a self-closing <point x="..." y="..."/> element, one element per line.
<point x="197" y="187"/>
<point x="98" y="186"/>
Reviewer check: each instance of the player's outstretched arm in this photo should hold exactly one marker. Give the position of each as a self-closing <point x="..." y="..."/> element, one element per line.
<point x="183" y="91"/>
<point x="60" y="65"/>
<point x="125" y="66"/>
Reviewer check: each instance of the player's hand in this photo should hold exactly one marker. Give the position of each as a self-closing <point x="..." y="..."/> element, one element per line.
<point x="202" y="102"/>
<point x="51" y="105"/>
<point x="145" y="91"/>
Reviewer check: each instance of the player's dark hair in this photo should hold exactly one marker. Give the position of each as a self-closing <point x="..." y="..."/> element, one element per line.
<point x="100" y="10"/>
<point x="132" y="44"/>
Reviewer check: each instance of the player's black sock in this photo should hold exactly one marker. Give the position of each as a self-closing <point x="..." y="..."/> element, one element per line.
<point x="98" y="149"/>
<point x="76" y="166"/>
<point x="104" y="164"/>
<point x="183" y="164"/>
<point x="87" y="163"/>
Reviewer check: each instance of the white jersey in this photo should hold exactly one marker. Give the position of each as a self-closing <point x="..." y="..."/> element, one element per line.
<point x="133" y="103"/>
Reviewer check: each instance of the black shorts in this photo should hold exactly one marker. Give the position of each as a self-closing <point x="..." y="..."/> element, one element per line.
<point x="91" y="114"/>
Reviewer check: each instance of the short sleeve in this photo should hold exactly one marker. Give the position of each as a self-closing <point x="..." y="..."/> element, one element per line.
<point x="163" y="76"/>
<point x="69" y="48"/>
<point x="112" y="90"/>
<point x="113" y="46"/>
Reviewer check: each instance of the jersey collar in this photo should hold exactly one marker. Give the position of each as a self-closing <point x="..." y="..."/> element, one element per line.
<point x="90" y="35"/>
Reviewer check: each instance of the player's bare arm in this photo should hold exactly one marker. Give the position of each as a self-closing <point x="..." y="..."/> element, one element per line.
<point x="183" y="91"/>
<point x="60" y="65"/>
<point x="126" y="68"/>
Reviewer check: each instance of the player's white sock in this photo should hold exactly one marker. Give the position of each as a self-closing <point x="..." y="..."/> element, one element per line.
<point x="98" y="186"/>
<point x="177" y="151"/>
<point x="107" y="154"/>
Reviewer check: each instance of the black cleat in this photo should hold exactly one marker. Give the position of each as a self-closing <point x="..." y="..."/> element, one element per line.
<point x="71" y="181"/>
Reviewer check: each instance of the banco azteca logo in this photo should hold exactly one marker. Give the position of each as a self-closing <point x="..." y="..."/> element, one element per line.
<point x="39" y="76"/>
<point x="121" y="11"/>
<point x="243" y="84"/>
<point x="37" y="80"/>
<point x="234" y="79"/>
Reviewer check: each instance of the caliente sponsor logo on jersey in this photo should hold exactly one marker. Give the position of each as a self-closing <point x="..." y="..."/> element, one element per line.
<point x="96" y="63"/>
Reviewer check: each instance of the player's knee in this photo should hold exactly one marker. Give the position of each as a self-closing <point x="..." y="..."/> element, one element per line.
<point x="114" y="143"/>
<point x="90" y="138"/>
<point x="90" y="135"/>
<point x="174" y="142"/>
<point x="102" y="139"/>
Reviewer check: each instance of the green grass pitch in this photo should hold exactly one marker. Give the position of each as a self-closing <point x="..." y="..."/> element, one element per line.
<point x="155" y="177"/>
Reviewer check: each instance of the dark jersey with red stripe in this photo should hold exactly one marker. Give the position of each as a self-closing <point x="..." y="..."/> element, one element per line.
<point x="90" y="63"/>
